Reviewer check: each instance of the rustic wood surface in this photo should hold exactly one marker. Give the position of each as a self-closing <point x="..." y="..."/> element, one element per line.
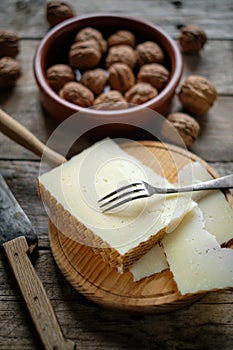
<point x="205" y="324"/>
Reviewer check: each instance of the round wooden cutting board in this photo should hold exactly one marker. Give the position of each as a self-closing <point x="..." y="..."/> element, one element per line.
<point x="91" y="276"/>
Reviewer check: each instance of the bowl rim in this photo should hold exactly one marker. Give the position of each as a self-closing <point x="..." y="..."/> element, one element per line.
<point x="164" y="94"/>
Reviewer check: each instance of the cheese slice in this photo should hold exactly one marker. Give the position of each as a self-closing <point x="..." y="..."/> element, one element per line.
<point x="217" y="212"/>
<point x="70" y="192"/>
<point x="217" y="220"/>
<point x="193" y="173"/>
<point x="152" y="262"/>
<point x="218" y="216"/>
<point x="196" y="260"/>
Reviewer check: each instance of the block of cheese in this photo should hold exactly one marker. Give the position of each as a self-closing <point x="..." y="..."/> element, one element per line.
<point x="196" y="260"/>
<point x="70" y="192"/>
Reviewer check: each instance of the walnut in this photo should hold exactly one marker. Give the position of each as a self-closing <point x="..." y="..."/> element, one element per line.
<point x="89" y="33"/>
<point x="197" y="94"/>
<point x="192" y="39"/>
<point x="121" y="77"/>
<point x="58" y="75"/>
<point x="154" y="74"/>
<point x="77" y="93"/>
<point x="140" y="93"/>
<point x="84" y="54"/>
<point x="9" y="43"/>
<point x="10" y="71"/>
<point x="95" y="80"/>
<point x="111" y="100"/>
<point x="186" y="126"/>
<point x="149" y="52"/>
<point x="121" y="53"/>
<point x="57" y="12"/>
<point x="122" y="37"/>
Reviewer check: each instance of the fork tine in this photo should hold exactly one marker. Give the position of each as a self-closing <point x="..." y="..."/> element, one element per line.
<point x="119" y="196"/>
<point x="126" y="200"/>
<point x="118" y="190"/>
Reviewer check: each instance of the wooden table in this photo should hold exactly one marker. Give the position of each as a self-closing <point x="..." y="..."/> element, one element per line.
<point x="207" y="324"/>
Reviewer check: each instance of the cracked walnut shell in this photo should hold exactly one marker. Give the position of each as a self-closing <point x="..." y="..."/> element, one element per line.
<point x="58" y="75"/>
<point x="121" y="53"/>
<point x="186" y="126"/>
<point x="149" y="52"/>
<point x="77" y="94"/>
<point x="154" y="74"/>
<point x="192" y="39"/>
<point x="9" y="43"/>
<point x="121" y="77"/>
<point x="84" y="54"/>
<point x="89" y="33"/>
<point x="10" y="71"/>
<point x="122" y="37"/>
<point x="95" y="80"/>
<point x="140" y="93"/>
<point x="197" y="94"/>
<point x="57" y="12"/>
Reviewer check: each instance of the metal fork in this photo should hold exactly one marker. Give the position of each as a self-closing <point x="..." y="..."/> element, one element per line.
<point x="142" y="189"/>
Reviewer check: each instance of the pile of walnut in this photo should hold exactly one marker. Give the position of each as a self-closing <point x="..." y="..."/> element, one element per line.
<point x="115" y="72"/>
<point x="10" y="68"/>
<point x="109" y="73"/>
<point x="197" y="94"/>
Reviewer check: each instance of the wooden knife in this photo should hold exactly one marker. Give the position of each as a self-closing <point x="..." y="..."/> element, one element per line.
<point x="18" y="239"/>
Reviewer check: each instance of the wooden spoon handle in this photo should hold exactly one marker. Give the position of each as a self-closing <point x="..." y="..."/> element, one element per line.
<point x="18" y="133"/>
<point x="35" y="296"/>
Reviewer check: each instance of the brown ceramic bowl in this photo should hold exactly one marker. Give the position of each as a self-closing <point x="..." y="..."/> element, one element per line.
<point x="54" y="49"/>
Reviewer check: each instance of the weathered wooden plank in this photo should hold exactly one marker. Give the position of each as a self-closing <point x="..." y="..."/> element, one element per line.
<point x="216" y="131"/>
<point x="215" y="140"/>
<point x="206" y="323"/>
<point x="215" y="16"/>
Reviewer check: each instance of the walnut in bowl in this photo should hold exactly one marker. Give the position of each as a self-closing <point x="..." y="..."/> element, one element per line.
<point x="140" y="93"/>
<point x="58" y="75"/>
<point x="95" y="80"/>
<point x="122" y="37"/>
<point x="154" y="74"/>
<point x="121" y="53"/>
<point x="111" y="100"/>
<point x="121" y="77"/>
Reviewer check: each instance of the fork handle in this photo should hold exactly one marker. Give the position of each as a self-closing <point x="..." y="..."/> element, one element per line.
<point x="224" y="182"/>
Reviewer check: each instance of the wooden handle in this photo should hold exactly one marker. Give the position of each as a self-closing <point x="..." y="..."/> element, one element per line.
<point x="35" y="296"/>
<point x="18" y="133"/>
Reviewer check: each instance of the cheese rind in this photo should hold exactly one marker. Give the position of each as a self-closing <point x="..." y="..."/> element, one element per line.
<point x="72" y="190"/>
